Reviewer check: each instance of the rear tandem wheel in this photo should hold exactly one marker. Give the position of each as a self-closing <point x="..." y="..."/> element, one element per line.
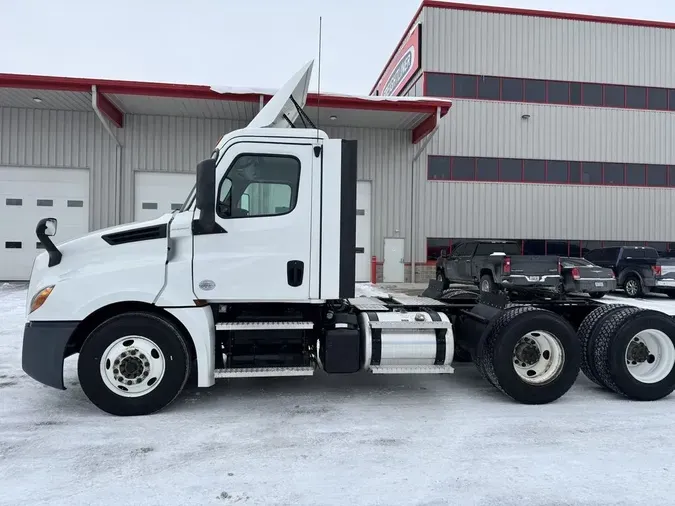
<point x="530" y="354"/>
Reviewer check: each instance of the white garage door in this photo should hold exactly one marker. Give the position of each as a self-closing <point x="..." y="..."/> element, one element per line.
<point x="158" y="193"/>
<point x="363" y="237"/>
<point x="26" y="196"/>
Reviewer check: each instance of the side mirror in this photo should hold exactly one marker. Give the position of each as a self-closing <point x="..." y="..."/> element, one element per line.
<point x="50" y="227"/>
<point x="205" y="195"/>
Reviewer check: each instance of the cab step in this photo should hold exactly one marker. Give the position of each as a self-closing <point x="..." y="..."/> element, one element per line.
<point x="264" y="372"/>
<point x="415" y="369"/>
<point x="281" y="325"/>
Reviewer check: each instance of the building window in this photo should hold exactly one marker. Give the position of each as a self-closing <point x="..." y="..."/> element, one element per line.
<point x="437" y="244"/>
<point x="635" y="174"/>
<point x="438" y="167"/>
<point x="45" y="202"/>
<point x="75" y="203"/>
<point x="463" y="168"/>
<point x="657" y="175"/>
<point x="534" y="171"/>
<point x="560" y="248"/>
<point x="149" y="205"/>
<point x="465" y="86"/>
<point x="13" y="244"/>
<point x="488" y="88"/>
<point x="13" y="202"/>
<point x="614" y="96"/>
<point x="511" y="170"/>
<point x="636" y="97"/>
<point x="487" y="169"/>
<point x="657" y="99"/>
<point x="438" y="85"/>
<point x="556" y="172"/>
<point x="512" y="89"/>
<point x="558" y="92"/>
<point x="612" y="173"/>
<point x="591" y="173"/>
<point x="516" y="170"/>
<point x="535" y="91"/>
<point x="534" y="247"/>
<point x="591" y="94"/>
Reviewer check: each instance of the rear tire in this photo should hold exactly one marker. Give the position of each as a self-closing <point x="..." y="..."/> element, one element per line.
<point x="441" y="277"/>
<point x="133" y="364"/>
<point x="634" y="354"/>
<point x="530" y="354"/>
<point x="487" y="284"/>
<point x="633" y="287"/>
<point x="586" y="333"/>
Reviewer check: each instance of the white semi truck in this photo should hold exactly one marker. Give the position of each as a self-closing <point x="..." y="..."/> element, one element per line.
<point x="254" y="276"/>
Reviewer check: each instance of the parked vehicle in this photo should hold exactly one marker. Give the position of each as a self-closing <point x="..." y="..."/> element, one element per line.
<point x="638" y="269"/>
<point x="494" y="265"/>
<point x="582" y="276"/>
<point x="200" y="289"/>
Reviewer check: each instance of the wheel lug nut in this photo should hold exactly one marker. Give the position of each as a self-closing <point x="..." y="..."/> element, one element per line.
<point x="123" y="354"/>
<point x="141" y="356"/>
<point x="146" y="364"/>
<point x="116" y="371"/>
<point x="146" y="374"/>
<point x="133" y="352"/>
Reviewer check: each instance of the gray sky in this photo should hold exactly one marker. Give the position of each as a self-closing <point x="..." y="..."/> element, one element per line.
<point x="256" y="43"/>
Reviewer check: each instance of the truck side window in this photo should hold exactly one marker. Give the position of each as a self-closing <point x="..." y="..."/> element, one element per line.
<point x="259" y="185"/>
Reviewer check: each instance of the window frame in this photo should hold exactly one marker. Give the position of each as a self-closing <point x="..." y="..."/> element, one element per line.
<point x="294" y="195"/>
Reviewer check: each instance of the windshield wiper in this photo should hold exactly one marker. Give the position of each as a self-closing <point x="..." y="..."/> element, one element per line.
<point x="303" y="115"/>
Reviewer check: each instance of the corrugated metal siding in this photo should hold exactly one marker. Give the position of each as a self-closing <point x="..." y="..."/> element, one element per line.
<point x="526" y="46"/>
<point x="384" y="157"/>
<point x="166" y="144"/>
<point x="531" y="211"/>
<point x="48" y="138"/>
<point x="487" y="128"/>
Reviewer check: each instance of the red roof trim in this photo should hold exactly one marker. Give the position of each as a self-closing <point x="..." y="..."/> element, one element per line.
<point x="548" y="14"/>
<point x="520" y="12"/>
<point x="189" y="91"/>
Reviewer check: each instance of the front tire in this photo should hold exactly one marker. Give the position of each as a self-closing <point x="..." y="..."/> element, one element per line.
<point x="530" y="354"/>
<point x="133" y="364"/>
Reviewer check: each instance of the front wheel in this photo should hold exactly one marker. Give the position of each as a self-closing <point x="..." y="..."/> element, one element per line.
<point x="633" y="287"/>
<point x="133" y="364"/>
<point x="441" y="277"/>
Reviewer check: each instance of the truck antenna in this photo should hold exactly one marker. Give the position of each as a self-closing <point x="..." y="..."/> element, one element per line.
<point x="318" y="88"/>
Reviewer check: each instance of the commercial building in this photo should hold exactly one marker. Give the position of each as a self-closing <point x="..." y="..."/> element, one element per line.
<point x="561" y="128"/>
<point x="559" y="137"/>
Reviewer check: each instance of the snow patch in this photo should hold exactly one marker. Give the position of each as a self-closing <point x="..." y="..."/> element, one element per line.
<point x="369" y="290"/>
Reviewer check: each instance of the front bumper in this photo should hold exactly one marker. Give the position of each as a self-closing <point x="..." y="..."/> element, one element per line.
<point x="45" y="346"/>
<point x="522" y="280"/>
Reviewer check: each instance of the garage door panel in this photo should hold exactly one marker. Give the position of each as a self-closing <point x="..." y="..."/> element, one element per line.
<point x="29" y="194"/>
<point x="158" y="193"/>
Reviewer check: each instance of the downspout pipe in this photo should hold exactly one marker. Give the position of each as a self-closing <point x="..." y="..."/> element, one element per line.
<point x="106" y="125"/>
<point x="413" y="191"/>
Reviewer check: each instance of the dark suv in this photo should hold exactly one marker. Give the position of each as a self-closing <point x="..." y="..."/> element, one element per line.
<point x="638" y="269"/>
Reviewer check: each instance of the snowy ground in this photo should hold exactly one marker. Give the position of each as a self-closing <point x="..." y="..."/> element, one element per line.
<point x="361" y="440"/>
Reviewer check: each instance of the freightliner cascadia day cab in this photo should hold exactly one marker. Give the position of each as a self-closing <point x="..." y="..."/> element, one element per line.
<point x="254" y="276"/>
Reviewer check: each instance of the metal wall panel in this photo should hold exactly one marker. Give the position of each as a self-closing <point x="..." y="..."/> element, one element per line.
<point x="166" y="144"/>
<point x="488" y="128"/>
<point x="49" y="138"/>
<point x="545" y="211"/>
<point x="526" y="46"/>
<point x="384" y="157"/>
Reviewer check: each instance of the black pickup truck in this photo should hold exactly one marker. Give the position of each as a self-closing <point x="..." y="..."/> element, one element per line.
<point x="494" y="265"/>
<point x="638" y="269"/>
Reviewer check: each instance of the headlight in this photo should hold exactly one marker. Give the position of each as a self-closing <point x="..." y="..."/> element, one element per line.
<point x="40" y="298"/>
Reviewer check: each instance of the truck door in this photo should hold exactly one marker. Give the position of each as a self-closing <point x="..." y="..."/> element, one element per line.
<point x="264" y="207"/>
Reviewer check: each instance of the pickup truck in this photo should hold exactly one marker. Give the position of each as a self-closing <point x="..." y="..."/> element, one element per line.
<point x="495" y="265"/>
<point x="638" y="269"/>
